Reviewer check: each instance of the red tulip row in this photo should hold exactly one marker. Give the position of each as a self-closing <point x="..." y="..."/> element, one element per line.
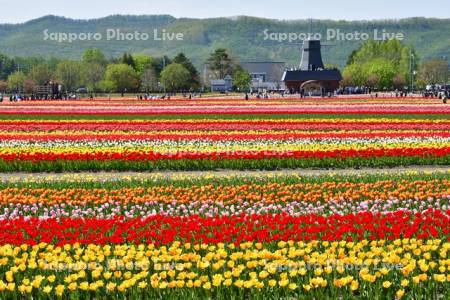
<point x="258" y="155"/>
<point x="233" y="229"/>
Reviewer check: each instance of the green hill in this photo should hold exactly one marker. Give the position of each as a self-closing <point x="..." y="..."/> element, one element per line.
<point x="246" y="37"/>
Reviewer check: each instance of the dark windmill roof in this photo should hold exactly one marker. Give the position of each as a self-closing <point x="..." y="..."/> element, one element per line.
<point x="299" y="75"/>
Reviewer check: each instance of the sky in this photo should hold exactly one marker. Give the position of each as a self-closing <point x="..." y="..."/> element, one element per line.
<point x="18" y="11"/>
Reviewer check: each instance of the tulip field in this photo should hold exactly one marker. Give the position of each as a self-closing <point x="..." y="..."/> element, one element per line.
<point x="192" y="199"/>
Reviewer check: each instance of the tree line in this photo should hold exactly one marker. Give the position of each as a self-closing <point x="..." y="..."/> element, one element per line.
<point x="379" y="65"/>
<point x="128" y="73"/>
<point x="390" y="65"/>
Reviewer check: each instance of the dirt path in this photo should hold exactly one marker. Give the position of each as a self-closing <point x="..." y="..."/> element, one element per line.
<point x="7" y="177"/>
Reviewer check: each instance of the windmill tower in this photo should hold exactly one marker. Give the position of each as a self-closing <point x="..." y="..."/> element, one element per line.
<point x="311" y="56"/>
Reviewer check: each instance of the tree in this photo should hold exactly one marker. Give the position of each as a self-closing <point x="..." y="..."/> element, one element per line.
<point x="434" y="71"/>
<point x="175" y="77"/>
<point x="220" y="63"/>
<point x="7" y="66"/>
<point x="93" y="65"/>
<point x="128" y="59"/>
<point x="15" y="81"/>
<point x="373" y="80"/>
<point x="69" y="74"/>
<point x="355" y="73"/>
<point x="121" y="77"/>
<point x="142" y="62"/>
<point x="160" y="63"/>
<point x="383" y="70"/>
<point x="242" y="80"/>
<point x="25" y="64"/>
<point x="93" y="75"/>
<point x="3" y="86"/>
<point x="149" y="81"/>
<point x="376" y="63"/>
<point x="185" y="62"/>
<point x="29" y="86"/>
<point x="93" y="56"/>
<point x="399" y="81"/>
<point x="347" y="80"/>
<point x="41" y="74"/>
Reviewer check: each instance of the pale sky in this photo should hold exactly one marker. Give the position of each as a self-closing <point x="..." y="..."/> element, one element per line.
<point x="18" y="11"/>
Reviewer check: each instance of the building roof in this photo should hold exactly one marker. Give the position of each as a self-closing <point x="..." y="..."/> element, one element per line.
<point x="218" y="82"/>
<point x="273" y="70"/>
<point x="299" y="75"/>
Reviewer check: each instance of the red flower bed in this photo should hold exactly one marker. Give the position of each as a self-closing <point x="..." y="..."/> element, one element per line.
<point x="263" y="228"/>
<point x="152" y="156"/>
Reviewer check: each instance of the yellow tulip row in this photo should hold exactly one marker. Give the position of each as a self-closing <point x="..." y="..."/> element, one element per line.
<point x="399" y="266"/>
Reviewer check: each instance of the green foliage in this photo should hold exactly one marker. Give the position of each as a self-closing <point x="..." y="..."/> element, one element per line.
<point x="376" y="64"/>
<point x="434" y="71"/>
<point x="7" y="66"/>
<point x="93" y="56"/>
<point x="16" y="80"/>
<point x="41" y="74"/>
<point x="149" y="80"/>
<point x="121" y="77"/>
<point x="128" y="59"/>
<point x="3" y="86"/>
<point x="92" y="75"/>
<point x="68" y="73"/>
<point x="242" y="80"/>
<point x="185" y="62"/>
<point x="142" y="62"/>
<point x="220" y="63"/>
<point x="381" y="69"/>
<point x="175" y="77"/>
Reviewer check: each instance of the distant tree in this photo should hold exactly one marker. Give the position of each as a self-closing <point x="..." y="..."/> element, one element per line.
<point x="16" y="80"/>
<point x="142" y="62"/>
<point x="185" y="62"/>
<point x="383" y="70"/>
<point x="356" y="74"/>
<point x="399" y="81"/>
<point x="128" y="59"/>
<point x="69" y="74"/>
<point x="121" y="77"/>
<point x="220" y="63"/>
<point x="352" y="55"/>
<point x="434" y="71"/>
<point x="94" y="56"/>
<point x="347" y="80"/>
<point x="3" y="86"/>
<point x="382" y="59"/>
<point x="29" y="86"/>
<point x="175" y="77"/>
<point x="52" y="63"/>
<point x="159" y="63"/>
<point x="25" y="64"/>
<point x="106" y="86"/>
<point x="242" y="80"/>
<point x="7" y="66"/>
<point x="149" y="80"/>
<point x="41" y="74"/>
<point x="373" y="81"/>
<point x="92" y="74"/>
